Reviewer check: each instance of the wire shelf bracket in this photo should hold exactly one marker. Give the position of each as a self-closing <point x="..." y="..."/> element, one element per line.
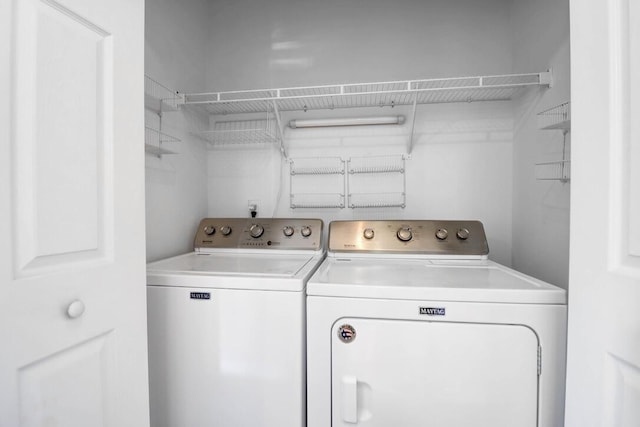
<point x="280" y="129"/>
<point x="556" y="118"/>
<point x="413" y="124"/>
<point x="155" y="142"/>
<point x="159" y="99"/>
<point x="554" y="171"/>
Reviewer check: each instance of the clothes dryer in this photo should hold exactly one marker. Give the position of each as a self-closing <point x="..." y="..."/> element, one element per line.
<point x="409" y="324"/>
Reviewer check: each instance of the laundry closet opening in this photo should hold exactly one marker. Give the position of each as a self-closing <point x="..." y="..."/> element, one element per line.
<point x="449" y="158"/>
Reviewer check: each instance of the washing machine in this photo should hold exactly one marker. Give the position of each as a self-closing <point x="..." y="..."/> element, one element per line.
<point x="226" y="325"/>
<point x="409" y="324"/>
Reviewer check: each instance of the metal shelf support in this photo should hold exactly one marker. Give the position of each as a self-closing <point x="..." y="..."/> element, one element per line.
<point x="276" y="113"/>
<point x="559" y="118"/>
<point x="413" y="124"/>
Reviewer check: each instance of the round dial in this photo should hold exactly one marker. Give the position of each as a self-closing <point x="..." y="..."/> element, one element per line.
<point x="463" y="234"/>
<point x="305" y="231"/>
<point x="442" y="234"/>
<point x="256" y="231"/>
<point x="404" y="234"/>
<point x="225" y="230"/>
<point x="368" y="233"/>
<point x="288" y="231"/>
<point x="209" y="230"/>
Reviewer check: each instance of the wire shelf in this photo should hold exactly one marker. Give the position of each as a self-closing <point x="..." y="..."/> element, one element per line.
<point x="377" y="200"/>
<point x="317" y="200"/>
<point x="241" y="132"/>
<point x="558" y="117"/>
<point x="159" y="98"/>
<point x="386" y="174"/>
<point x="376" y="164"/>
<point x="154" y="141"/>
<point x="316" y="166"/>
<point x="464" y="89"/>
<point x="554" y="171"/>
<point x="317" y="182"/>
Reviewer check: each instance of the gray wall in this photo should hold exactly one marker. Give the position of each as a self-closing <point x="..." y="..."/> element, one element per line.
<point x="176" y="35"/>
<point x="540" y="208"/>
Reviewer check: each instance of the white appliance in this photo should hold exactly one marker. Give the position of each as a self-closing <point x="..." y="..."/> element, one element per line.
<point x="409" y="324"/>
<point x="227" y="325"/>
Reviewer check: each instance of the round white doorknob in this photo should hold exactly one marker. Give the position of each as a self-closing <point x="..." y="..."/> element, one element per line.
<point x="75" y="309"/>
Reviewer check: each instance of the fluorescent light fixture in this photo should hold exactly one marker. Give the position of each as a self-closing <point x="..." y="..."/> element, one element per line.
<point x="350" y="121"/>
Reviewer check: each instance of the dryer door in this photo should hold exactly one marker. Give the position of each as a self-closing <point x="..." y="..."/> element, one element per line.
<point x="417" y="373"/>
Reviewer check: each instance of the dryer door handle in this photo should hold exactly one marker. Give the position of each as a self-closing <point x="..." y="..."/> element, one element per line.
<point x="349" y="399"/>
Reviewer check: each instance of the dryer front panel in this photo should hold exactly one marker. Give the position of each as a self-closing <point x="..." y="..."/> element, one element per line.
<point x="418" y="373"/>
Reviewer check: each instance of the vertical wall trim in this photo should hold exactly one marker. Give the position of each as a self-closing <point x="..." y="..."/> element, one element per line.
<point x="625" y="202"/>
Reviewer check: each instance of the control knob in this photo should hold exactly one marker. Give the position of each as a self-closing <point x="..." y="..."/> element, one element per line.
<point x="305" y="231"/>
<point x="256" y="230"/>
<point x="463" y="234"/>
<point x="442" y="234"/>
<point x="209" y="230"/>
<point x="368" y="233"/>
<point x="288" y="231"/>
<point x="404" y="234"/>
<point x="225" y="230"/>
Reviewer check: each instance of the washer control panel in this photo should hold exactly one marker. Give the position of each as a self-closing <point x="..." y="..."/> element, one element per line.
<point x="411" y="237"/>
<point x="259" y="233"/>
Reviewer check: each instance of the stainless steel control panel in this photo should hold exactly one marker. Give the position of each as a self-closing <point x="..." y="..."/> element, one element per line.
<point x="409" y="237"/>
<point x="259" y="233"/>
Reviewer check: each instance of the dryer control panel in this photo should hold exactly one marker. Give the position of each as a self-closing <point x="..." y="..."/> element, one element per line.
<point x="428" y="237"/>
<point x="259" y="233"/>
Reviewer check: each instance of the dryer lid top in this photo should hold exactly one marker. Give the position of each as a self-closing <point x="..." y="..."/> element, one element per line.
<point x="437" y="280"/>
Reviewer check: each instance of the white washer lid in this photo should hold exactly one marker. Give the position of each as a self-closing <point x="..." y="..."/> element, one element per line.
<point x="232" y="264"/>
<point x="435" y="280"/>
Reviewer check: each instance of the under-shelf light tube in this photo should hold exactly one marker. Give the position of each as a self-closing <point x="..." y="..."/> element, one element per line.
<point x="350" y="121"/>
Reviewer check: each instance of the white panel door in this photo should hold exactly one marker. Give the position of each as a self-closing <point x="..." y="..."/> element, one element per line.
<point x="72" y="264"/>
<point x="603" y="366"/>
<point x="415" y="374"/>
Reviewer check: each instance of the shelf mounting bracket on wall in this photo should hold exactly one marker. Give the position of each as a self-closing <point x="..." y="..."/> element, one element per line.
<point x="546" y="78"/>
<point x="413" y="124"/>
<point x="159" y="99"/>
<point x="276" y="113"/>
<point x="558" y="117"/>
<point x="565" y="166"/>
